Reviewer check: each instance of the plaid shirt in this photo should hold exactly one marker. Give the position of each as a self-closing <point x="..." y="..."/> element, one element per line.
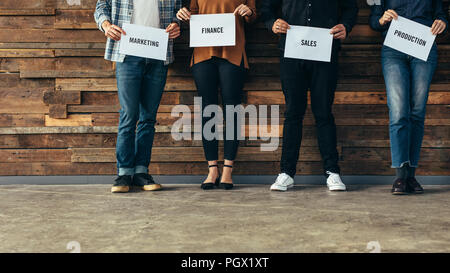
<point x="120" y="11"/>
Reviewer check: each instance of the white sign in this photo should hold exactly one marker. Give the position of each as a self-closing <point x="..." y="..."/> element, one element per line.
<point x="146" y="42"/>
<point x="309" y="43"/>
<point x="213" y="30"/>
<point x="410" y="38"/>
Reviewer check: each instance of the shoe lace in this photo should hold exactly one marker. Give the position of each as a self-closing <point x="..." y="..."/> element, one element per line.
<point x="334" y="178"/>
<point x="149" y="178"/>
<point x="121" y="179"/>
<point x="282" y="179"/>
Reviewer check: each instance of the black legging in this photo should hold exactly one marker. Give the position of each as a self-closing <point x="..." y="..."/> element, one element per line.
<point x="209" y="75"/>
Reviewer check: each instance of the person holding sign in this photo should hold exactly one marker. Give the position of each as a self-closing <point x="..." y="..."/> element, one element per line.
<point x="140" y="83"/>
<point x="299" y="75"/>
<point x="407" y="82"/>
<point x="224" y="67"/>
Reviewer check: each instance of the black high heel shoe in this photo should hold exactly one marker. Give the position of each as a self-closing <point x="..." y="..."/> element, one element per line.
<point x="227" y="186"/>
<point x="210" y="185"/>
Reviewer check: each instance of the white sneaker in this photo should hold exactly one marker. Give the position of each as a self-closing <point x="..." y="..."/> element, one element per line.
<point x="334" y="182"/>
<point x="283" y="182"/>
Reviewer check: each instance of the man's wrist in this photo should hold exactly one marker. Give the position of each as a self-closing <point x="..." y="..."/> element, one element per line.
<point x="105" y="25"/>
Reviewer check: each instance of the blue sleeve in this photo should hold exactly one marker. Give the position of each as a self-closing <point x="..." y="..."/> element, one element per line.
<point x="438" y="12"/>
<point x="102" y="12"/>
<point x="178" y="6"/>
<point x="376" y="13"/>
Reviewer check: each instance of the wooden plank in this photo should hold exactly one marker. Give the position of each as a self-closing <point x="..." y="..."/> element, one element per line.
<point x="27" y="4"/>
<point x="34" y="155"/>
<point x="80" y="52"/>
<point x="23" y="101"/>
<point x="58" y="141"/>
<point x="45" y="45"/>
<point x="70" y="121"/>
<point x="26" y="53"/>
<point x="57" y="97"/>
<point x="260" y="97"/>
<point x="21" y="120"/>
<point x="75" y="19"/>
<point x="181" y="84"/>
<point x="384" y="154"/>
<point x="50" y="35"/>
<point x="64" y="74"/>
<point x="29" y="12"/>
<point x="12" y="81"/>
<point x="244" y="168"/>
<point x="26" y="22"/>
<point x="110" y="98"/>
<point x="364" y="115"/>
<point x="81" y="4"/>
<point x="57" y="111"/>
<point x="57" y="130"/>
<point x="66" y="137"/>
<point x="188" y="154"/>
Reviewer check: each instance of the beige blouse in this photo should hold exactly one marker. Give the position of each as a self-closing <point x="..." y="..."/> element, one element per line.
<point x="233" y="54"/>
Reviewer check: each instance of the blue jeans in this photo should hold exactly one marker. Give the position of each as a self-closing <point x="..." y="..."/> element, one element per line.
<point x="141" y="84"/>
<point x="407" y="85"/>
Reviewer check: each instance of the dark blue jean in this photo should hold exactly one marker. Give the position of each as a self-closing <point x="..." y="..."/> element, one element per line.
<point x="408" y="82"/>
<point x="140" y="83"/>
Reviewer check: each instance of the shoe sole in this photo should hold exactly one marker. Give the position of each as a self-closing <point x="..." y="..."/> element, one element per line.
<point x="155" y="187"/>
<point x="120" y="189"/>
<point x="281" y="189"/>
<point x="400" y="193"/>
<point x="337" y="189"/>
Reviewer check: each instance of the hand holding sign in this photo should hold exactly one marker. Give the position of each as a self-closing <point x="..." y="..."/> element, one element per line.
<point x="309" y="43"/>
<point x="146" y="42"/>
<point x="184" y="14"/>
<point x="410" y="38"/>
<point x="243" y="10"/>
<point x="388" y="16"/>
<point x="208" y="30"/>
<point x="280" y="26"/>
<point x="339" y="32"/>
<point x="173" y="30"/>
<point x="112" y="31"/>
<point x="438" y="27"/>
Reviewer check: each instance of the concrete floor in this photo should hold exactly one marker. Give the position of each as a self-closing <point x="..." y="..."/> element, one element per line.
<point x="250" y="218"/>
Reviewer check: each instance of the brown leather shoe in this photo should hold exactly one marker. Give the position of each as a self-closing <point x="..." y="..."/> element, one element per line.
<point x="414" y="186"/>
<point x="400" y="187"/>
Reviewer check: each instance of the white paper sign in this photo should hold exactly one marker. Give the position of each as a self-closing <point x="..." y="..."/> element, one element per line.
<point x="146" y="42"/>
<point x="309" y="43"/>
<point x="213" y="30"/>
<point x="410" y="38"/>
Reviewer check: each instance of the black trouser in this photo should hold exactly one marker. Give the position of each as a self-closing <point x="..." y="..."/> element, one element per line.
<point x="297" y="76"/>
<point x="209" y="76"/>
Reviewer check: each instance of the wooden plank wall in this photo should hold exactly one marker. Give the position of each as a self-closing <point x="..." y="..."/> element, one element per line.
<point x="58" y="101"/>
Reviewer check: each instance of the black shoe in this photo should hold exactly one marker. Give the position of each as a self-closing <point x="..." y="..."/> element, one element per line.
<point x="227" y="185"/>
<point x="413" y="185"/>
<point x="400" y="187"/>
<point x="121" y="184"/>
<point x="211" y="185"/>
<point x="145" y="182"/>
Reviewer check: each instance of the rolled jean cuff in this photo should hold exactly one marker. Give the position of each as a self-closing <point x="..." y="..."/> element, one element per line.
<point x="141" y="169"/>
<point x="126" y="171"/>
<point x="397" y="166"/>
